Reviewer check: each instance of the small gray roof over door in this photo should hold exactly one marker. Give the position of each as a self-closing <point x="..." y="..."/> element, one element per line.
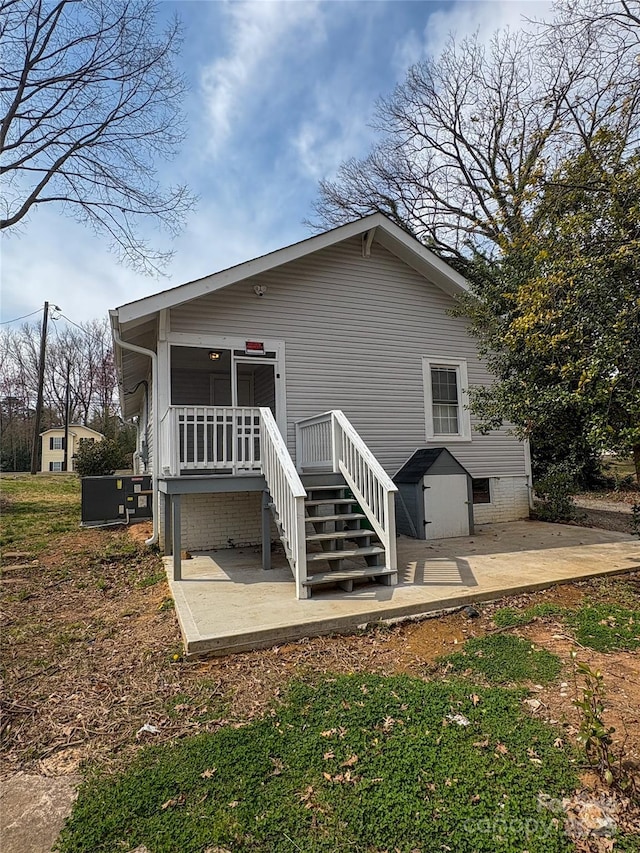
<point x="429" y="460"/>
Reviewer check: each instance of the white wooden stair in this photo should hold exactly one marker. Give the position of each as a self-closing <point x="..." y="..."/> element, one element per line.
<point x="340" y="549"/>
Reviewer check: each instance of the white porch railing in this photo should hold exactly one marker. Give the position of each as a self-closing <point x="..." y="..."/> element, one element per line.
<point x="210" y="438"/>
<point x="287" y="494"/>
<point x="329" y="442"/>
<point x="168" y="445"/>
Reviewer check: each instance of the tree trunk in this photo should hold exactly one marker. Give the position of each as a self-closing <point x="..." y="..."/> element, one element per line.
<point x="636" y="460"/>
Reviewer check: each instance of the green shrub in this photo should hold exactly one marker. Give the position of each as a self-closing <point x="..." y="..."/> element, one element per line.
<point x="100" y="458"/>
<point x="555" y="491"/>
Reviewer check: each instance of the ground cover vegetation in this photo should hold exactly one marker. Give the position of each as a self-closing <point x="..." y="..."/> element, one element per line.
<point x="602" y="626"/>
<point x="518" y="163"/>
<point x="355" y="762"/>
<point x="239" y="746"/>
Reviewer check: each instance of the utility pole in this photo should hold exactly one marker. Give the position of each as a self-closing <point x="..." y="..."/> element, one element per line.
<point x="65" y="464"/>
<point x="36" y="429"/>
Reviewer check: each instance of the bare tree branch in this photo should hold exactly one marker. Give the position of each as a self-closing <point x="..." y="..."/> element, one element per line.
<point x="468" y="141"/>
<point x="90" y="103"/>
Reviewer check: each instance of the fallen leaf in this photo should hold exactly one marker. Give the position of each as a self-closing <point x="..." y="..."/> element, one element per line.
<point x="208" y="773"/>
<point x="174" y="801"/>
<point x="307" y="794"/>
<point x="350" y="761"/>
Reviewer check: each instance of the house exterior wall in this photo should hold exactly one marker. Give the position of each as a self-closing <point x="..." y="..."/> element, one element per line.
<point x="355" y="331"/>
<point x="509" y="501"/>
<point x="76" y="433"/>
<point x="143" y="456"/>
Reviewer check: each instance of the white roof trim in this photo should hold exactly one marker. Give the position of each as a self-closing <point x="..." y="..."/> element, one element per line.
<point x="81" y="426"/>
<point x="388" y="234"/>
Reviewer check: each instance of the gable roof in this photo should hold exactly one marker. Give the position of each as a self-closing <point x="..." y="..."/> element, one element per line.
<point x="386" y="232"/>
<point x="81" y="426"/>
<point x="423" y="460"/>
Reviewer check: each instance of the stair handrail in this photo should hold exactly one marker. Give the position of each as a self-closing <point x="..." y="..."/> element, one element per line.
<point x="371" y="485"/>
<point x="287" y="495"/>
<point x="313" y="443"/>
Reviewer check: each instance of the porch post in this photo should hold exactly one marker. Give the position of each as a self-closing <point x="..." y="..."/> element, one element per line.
<point x="167" y="525"/>
<point x="336" y="449"/>
<point x="266" y="530"/>
<point x="175" y="536"/>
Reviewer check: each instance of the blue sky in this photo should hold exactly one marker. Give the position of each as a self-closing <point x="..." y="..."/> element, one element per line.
<point x="279" y="94"/>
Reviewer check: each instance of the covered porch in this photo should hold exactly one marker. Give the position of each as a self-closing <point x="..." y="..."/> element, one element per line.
<point x="227" y="603"/>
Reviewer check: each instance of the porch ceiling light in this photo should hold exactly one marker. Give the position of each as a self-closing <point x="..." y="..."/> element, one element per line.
<point x="213" y="355"/>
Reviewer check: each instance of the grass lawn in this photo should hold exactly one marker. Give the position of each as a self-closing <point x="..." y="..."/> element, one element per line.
<point x="349" y="763"/>
<point x="34" y="508"/>
<point x="412" y="737"/>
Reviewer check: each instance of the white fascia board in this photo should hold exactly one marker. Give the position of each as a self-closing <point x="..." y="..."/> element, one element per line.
<point x="387" y="234"/>
<point x="117" y="352"/>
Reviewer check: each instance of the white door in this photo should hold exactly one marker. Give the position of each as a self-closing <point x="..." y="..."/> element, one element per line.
<point x="446" y="507"/>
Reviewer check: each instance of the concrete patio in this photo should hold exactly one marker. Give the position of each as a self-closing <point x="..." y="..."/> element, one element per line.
<point x="227" y="603"/>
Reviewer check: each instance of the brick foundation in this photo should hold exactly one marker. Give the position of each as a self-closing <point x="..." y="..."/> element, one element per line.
<point x="509" y="501"/>
<point x="220" y="520"/>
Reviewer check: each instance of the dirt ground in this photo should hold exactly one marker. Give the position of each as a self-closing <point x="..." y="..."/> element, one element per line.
<point x="92" y="653"/>
<point x="608" y="510"/>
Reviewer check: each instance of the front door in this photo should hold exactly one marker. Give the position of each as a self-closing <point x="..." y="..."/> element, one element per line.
<point x="254" y="382"/>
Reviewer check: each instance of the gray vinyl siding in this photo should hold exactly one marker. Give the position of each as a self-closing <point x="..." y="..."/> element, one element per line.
<point x="147" y="431"/>
<point x="355" y="331"/>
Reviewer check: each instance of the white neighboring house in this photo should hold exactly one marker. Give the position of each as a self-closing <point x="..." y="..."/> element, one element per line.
<point x="312" y="372"/>
<point x="53" y="445"/>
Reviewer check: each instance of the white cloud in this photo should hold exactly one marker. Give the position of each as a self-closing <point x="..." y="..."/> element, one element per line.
<point x="336" y="128"/>
<point x="261" y="34"/>
<point x="72" y="268"/>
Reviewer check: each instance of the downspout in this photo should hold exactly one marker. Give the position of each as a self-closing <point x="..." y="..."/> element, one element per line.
<point x="528" y="472"/>
<point x="154" y="403"/>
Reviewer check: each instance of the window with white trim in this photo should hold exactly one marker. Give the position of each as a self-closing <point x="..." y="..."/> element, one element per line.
<point x="55" y="466"/>
<point x="446" y="399"/>
<point x="57" y="443"/>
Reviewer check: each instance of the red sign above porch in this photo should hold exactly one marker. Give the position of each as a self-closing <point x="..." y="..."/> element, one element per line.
<point x="254" y="348"/>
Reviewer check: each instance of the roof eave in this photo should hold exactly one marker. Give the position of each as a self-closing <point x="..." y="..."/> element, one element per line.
<point x="388" y="234"/>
